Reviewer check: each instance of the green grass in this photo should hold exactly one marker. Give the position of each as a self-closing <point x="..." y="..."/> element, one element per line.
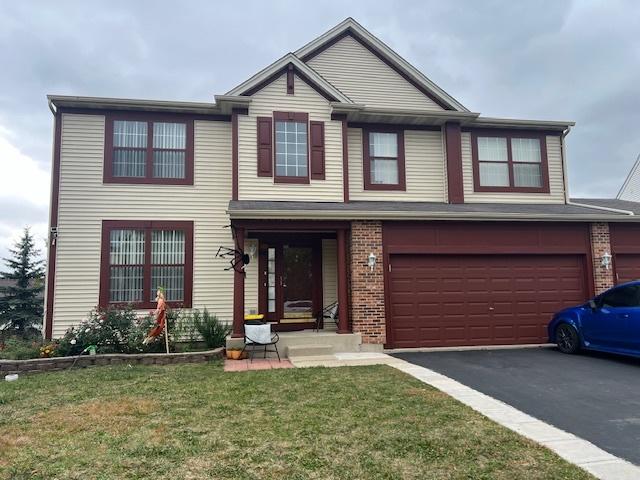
<point x="194" y="421"/>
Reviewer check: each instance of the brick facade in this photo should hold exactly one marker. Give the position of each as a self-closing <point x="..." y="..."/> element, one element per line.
<point x="600" y="244"/>
<point x="367" y="287"/>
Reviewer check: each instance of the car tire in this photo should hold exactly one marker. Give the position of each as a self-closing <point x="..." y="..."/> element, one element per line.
<point x="567" y="339"/>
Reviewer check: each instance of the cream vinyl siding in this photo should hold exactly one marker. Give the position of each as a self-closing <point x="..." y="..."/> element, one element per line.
<point x="85" y="201"/>
<point x="251" y="279"/>
<point x="329" y="271"/>
<point x="366" y="79"/>
<point x="272" y="98"/>
<point x="556" y="181"/>
<point x="424" y="169"/>
<point x="329" y="277"/>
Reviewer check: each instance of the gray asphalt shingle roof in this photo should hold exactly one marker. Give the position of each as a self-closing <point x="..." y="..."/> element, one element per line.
<point x="567" y="210"/>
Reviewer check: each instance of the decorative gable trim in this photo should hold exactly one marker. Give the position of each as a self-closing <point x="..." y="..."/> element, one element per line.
<point x="302" y="70"/>
<point x="350" y="27"/>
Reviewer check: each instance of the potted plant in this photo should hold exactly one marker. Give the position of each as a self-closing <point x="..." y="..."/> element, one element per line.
<point x="234" y="353"/>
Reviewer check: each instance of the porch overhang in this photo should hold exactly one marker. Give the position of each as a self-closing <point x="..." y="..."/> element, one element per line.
<point x="358" y="113"/>
<point x="305" y="232"/>
<point x="314" y="212"/>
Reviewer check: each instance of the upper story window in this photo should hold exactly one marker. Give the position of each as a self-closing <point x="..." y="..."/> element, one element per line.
<point x="139" y="257"/>
<point x="148" y="149"/>
<point x="291" y="147"/>
<point x="510" y="162"/>
<point x="292" y="150"/>
<point x="383" y="158"/>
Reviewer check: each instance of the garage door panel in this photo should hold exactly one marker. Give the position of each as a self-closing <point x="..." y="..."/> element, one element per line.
<point x="447" y="300"/>
<point x="627" y="266"/>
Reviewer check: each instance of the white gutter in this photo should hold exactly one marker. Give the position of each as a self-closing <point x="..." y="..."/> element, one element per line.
<point x="51" y="106"/>
<point x="599" y="207"/>
<point x="514" y="122"/>
<point x="129" y="103"/>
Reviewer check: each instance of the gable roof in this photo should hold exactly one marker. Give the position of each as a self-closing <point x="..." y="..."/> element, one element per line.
<point x="634" y="175"/>
<point x="350" y="27"/>
<point x="270" y="73"/>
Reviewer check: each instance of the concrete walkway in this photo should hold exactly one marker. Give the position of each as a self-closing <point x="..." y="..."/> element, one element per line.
<point x="580" y="452"/>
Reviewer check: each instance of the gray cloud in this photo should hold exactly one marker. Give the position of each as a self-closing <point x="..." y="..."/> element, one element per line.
<point x="545" y="60"/>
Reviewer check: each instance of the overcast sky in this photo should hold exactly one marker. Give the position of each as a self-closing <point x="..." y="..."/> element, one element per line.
<point x="556" y="60"/>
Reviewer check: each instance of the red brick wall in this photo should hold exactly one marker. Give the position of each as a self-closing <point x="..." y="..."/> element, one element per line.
<point x="367" y="288"/>
<point x="600" y="243"/>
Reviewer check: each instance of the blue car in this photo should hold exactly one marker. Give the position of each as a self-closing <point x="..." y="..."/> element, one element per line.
<point x="608" y="323"/>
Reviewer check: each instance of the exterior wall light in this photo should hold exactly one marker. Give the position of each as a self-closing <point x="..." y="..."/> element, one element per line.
<point x="606" y="260"/>
<point x="372" y="261"/>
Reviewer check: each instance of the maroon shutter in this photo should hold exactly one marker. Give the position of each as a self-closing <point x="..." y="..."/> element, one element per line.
<point x="317" y="150"/>
<point x="265" y="147"/>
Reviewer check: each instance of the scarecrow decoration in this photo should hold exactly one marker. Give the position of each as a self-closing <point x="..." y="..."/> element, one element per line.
<point x="161" y="321"/>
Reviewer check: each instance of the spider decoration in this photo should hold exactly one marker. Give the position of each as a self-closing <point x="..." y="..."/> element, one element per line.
<point x="237" y="258"/>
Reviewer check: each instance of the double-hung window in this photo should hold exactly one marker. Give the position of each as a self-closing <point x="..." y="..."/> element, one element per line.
<point x="383" y="160"/>
<point x="144" y="149"/>
<point x="510" y="162"/>
<point x="139" y="257"/>
<point x="291" y="147"/>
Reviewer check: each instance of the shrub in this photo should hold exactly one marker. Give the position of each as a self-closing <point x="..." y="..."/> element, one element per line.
<point x="19" y="349"/>
<point x="106" y="328"/>
<point x="186" y="332"/>
<point x="213" y="332"/>
<point x="115" y="329"/>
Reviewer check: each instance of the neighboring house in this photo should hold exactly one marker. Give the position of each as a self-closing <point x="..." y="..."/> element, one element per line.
<point x="345" y="174"/>
<point x="630" y="189"/>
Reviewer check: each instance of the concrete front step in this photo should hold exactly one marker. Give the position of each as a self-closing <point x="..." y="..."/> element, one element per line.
<point x="309" y="350"/>
<point x="347" y="342"/>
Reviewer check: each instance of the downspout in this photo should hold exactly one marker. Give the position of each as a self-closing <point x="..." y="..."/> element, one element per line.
<point x="563" y="155"/>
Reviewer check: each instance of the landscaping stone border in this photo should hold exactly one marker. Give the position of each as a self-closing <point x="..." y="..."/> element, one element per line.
<point x="41" y="365"/>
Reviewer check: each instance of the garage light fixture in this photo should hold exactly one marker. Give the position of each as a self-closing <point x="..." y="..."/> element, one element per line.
<point x="372" y="261"/>
<point x="606" y="260"/>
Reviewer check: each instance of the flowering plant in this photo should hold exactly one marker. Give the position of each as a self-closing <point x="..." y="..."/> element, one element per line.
<point x="115" y="329"/>
<point x="48" y="350"/>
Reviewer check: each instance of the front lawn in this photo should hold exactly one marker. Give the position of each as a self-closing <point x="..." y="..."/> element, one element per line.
<point x="195" y="421"/>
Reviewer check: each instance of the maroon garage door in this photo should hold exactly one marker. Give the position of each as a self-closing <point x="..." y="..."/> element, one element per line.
<point x="447" y="300"/>
<point x="481" y="284"/>
<point x="625" y="246"/>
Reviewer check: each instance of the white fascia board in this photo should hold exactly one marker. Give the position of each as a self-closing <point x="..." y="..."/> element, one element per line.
<point x="281" y="63"/>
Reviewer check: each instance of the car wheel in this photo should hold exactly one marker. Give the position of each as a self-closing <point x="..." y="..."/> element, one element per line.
<point x="567" y="339"/>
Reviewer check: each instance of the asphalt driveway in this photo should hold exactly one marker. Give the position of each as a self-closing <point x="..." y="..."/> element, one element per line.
<point x="594" y="396"/>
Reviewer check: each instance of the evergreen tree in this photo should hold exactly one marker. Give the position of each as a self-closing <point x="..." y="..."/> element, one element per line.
<point x="21" y="307"/>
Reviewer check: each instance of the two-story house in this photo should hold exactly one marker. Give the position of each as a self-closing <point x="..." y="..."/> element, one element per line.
<point x="344" y="174"/>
